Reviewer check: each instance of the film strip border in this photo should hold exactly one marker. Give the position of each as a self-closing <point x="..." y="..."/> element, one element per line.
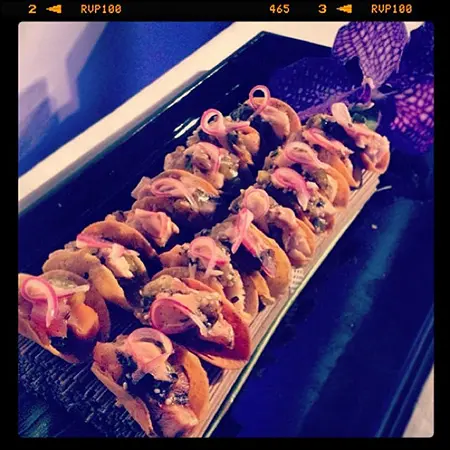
<point x="217" y="11"/>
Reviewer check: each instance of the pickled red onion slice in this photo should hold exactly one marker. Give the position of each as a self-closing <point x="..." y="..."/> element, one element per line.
<point x="266" y="98"/>
<point x="149" y="357"/>
<point x="60" y="292"/>
<point x="86" y="240"/>
<point x="216" y="128"/>
<point x="37" y="295"/>
<point x="63" y="292"/>
<point x="236" y="125"/>
<point x="58" y="327"/>
<point x="205" y="248"/>
<point x="302" y="153"/>
<point x="315" y="136"/>
<point x="243" y="220"/>
<point x="47" y="291"/>
<point x="290" y="179"/>
<point x="220" y="127"/>
<point x="257" y="201"/>
<point x="160" y="311"/>
<point x="170" y="187"/>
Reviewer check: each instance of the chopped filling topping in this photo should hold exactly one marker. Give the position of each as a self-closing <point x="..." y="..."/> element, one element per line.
<point x="199" y="260"/>
<point x="157" y="225"/>
<point x="280" y="222"/>
<point x="183" y="194"/>
<point x="314" y="204"/>
<point x="206" y="160"/>
<point x="115" y="256"/>
<point x="236" y="136"/>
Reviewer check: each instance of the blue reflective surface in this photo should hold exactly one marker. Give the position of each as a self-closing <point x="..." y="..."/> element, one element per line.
<point x="127" y="57"/>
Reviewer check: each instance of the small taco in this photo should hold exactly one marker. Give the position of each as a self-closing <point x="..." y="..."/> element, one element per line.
<point x="292" y="190"/>
<point x="117" y="272"/>
<point x="209" y="262"/>
<point x="122" y="234"/>
<point x="215" y="164"/>
<point x="327" y="138"/>
<point x="163" y="386"/>
<point x="374" y="149"/>
<point x="199" y="318"/>
<point x="345" y="142"/>
<point x="300" y="157"/>
<point x="278" y="222"/>
<point x="189" y="200"/>
<point x="238" y="137"/>
<point x="251" y="250"/>
<point x="157" y="227"/>
<point x="272" y="118"/>
<point x="63" y="313"/>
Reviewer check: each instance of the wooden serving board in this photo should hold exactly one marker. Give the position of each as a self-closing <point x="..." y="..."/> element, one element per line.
<point x="76" y="389"/>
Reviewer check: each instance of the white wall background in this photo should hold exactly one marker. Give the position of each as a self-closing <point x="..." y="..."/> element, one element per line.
<point x="44" y="48"/>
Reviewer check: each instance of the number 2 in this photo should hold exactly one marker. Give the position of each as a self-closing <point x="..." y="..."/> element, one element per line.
<point x="31" y="9"/>
<point x="322" y="9"/>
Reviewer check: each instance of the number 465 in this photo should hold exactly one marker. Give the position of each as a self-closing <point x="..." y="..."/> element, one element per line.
<point x="280" y="9"/>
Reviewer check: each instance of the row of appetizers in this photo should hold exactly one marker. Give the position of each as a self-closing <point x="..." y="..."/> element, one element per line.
<point x="257" y="187"/>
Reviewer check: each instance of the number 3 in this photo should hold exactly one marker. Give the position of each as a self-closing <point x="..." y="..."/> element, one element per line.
<point x="322" y="9"/>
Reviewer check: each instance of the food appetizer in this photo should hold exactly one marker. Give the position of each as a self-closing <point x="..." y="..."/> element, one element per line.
<point x="110" y="254"/>
<point x="238" y="137"/>
<point x="198" y="318"/>
<point x="162" y="385"/>
<point x="346" y="144"/>
<point x="189" y="200"/>
<point x="215" y="164"/>
<point x="278" y="222"/>
<point x="292" y="190"/>
<point x="209" y="262"/>
<point x="272" y="118"/>
<point x="157" y="227"/>
<point x="300" y="157"/>
<point x="252" y="251"/>
<point x="63" y="313"/>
